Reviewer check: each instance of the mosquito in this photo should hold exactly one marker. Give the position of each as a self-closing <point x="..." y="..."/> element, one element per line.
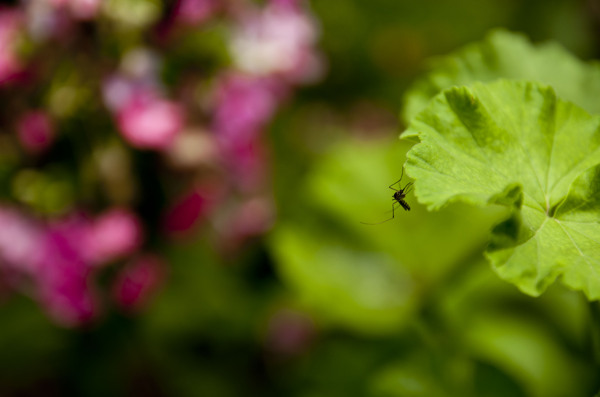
<point x="397" y="198"/>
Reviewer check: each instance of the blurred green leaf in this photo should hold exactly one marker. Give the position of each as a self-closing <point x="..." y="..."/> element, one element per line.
<point x="216" y="300"/>
<point x="414" y="376"/>
<point x="479" y="290"/>
<point x="480" y="146"/>
<point x="526" y="350"/>
<point x="486" y="317"/>
<point x="512" y="56"/>
<point x="134" y="13"/>
<point x="49" y="192"/>
<point x="199" y="50"/>
<point x="360" y="288"/>
<point x="203" y="327"/>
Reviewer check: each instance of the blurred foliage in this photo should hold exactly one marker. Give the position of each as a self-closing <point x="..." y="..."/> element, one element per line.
<point x="510" y="56"/>
<point x="408" y="308"/>
<point x="376" y="48"/>
<point x="347" y="267"/>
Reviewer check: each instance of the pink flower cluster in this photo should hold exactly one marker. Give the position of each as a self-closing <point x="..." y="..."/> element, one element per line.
<point x="273" y="49"/>
<point x="57" y="261"/>
<point x="207" y="129"/>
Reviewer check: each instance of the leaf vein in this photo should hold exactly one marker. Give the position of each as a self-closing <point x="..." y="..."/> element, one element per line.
<point x="586" y="257"/>
<point x="490" y="165"/>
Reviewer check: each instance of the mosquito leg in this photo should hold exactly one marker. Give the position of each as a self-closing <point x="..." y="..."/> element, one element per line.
<point x="401" y="175"/>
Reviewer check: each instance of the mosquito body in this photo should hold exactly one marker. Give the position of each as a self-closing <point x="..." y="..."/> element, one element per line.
<point x="397" y="198"/>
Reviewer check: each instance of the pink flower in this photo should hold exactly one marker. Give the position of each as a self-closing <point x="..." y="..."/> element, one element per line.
<point x="65" y="290"/>
<point x="145" y="119"/>
<point x="85" y="9"/>
<point x="279" y="40"/>
<point x="20" y="241"/>
<point x="45" y="20"/>
<point x="149" y="122"/>
<point x="186" y="212"/>
<point x="247" y="163"/>
<point x="79" y="9"/>
<point x="138" y="281"/>
<point x="51" y="257"/>
<point x="64" y="278"/>
<point x="244" y="104"/>
<point x="35" y="131"/>
<point x="193" y="12"/>
<point x="10" y="28"/>
<point x="115" y="234"/>
<point x="59" y="258"/>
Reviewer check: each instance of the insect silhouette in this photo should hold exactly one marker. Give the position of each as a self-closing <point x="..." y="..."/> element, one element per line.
<point x="397" y="198"/>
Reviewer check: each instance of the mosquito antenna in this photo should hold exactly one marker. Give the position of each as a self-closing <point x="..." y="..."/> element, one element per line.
<point x="379" y="223"/>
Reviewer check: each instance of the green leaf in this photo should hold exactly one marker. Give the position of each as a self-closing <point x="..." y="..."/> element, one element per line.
<point x="512" y="56"/>
<point x="362" y="290"/>
<point x="516" y="144"/>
